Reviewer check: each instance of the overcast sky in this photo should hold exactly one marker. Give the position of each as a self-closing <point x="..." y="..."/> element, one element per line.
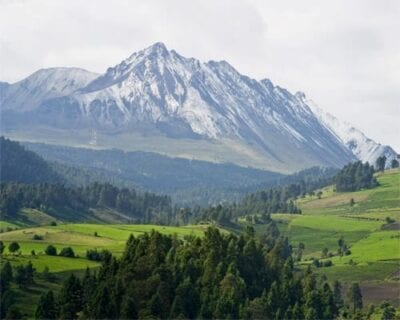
<point x="345" y="55"/>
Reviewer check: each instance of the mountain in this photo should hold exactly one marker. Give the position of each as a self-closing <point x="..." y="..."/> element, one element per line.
<point x="20" y="165"/>
<point x="157" y="100"/>
<point x="186" y="181"/>
<point x="364" y="148"/>
<point x="44" y="84"/>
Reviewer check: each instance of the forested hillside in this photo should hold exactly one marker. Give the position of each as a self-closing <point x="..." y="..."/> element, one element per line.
<point x="355" y="176"/>
<point x="70" y="193"/>
<point x="186" y="181"/>
<point x="20" y="165"/>
<point x="76" y="203"/>
<point x="217" y="276"/>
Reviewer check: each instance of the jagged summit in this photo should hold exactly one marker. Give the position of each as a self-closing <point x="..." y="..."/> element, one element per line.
<point x="44" y="84"/>
<point x="360" y="145"/>
<point x="157" y="92"/>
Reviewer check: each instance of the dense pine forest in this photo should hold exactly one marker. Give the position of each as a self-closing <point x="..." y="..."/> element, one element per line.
<point x="69" y="202"/>
<point x="219" y="276"/>
<point x="30" y="187"/>
<point x="52" y="188"/>
<point x="20" y="165"/>
<point x="356" y="176"/>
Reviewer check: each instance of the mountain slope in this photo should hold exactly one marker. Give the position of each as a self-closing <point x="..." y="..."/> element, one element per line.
<point x="186" y="181"/>
<point x="20" y="165"/>
<point x="157" y="100"/>
<point x="44" y="84"/>
<point x="364" y="148"/>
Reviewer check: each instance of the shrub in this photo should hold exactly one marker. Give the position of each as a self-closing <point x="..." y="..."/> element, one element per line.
<point x="327" y="263"/>
<point x="389" y="220"/>
<point x="37" y="237"/>
<point x="13" y="247"/>
<point x="67" y="252"/>
<point x="95" y="255"/>
<point x="316" y="263"/>
<point x="51" y="250"/>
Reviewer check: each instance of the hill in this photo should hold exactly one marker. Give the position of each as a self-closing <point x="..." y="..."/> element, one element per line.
<point x="368" y="229"/>
<point x="20" y="165"/>
<point x="186" y="181"/>
<point x="368" y="224"/>
<point x="81" y="238"/>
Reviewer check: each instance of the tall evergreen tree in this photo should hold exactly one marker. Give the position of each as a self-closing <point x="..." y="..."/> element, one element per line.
<point x="46" y="308"/>
<point x="380" y="163"/>
<point x="354" y="297"/>
<point x="394" y="164"/>
<point x="70" y="298"/>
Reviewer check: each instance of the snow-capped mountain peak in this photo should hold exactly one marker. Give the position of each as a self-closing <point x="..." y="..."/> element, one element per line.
<point x="44" y="84"/>
<point x="157" y="92"/>
<point x="361" y="146"/>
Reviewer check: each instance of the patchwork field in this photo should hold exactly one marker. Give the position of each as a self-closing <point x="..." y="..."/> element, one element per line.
<point x="80" y="237"/>
<point x="374" y="243"/>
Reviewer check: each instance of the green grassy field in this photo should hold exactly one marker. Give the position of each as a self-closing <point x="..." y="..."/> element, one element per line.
<point x="375" y="246"/>
<point x="81" y="237"/>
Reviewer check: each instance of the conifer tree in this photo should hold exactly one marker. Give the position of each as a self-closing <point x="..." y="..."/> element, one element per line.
<point x="13" y="247"/>
<point x="354" y="297"/>
<point x="2" y="246"/>
<point x="46" y="308"/>
<point x="380" y="163"/>
<point x="70" y="299"/>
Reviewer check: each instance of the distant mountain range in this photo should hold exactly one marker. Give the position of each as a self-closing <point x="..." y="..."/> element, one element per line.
<point x="187" y="182"/>
<point x="157" y="100"/>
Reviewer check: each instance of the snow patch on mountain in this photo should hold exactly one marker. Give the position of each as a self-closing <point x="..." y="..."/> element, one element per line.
<point x="364" y="148"/>
<point x="44" y="84"/>
<point x="158" y="92"/>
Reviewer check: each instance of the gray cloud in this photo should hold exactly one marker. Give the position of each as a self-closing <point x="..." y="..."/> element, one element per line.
<point x="344" y="54"/>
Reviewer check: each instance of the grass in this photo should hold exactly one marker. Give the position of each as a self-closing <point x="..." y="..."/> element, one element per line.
<point x="375" y="251"/>
<point x="81" y="237"/>
<point x="375" y="247"/>
<point x="366" y="272"/>
<point x="4" y="225"/>
<point x="54" y="263"/>
<point x="122" y="231"/>
<point x="378" y="246"/>
<point x="28" y="298"/>
<point x="334" y="223"/>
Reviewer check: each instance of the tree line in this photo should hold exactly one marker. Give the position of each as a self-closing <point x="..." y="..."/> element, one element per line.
<point x="217" y="276"/>
<point x="73" y="203"/>
<point x="69" y="202"/>
<point x="355" y="176"/>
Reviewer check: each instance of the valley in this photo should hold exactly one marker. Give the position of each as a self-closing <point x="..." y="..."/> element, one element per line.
<point x="374" y="243"/>
<point x="199" y="160"/>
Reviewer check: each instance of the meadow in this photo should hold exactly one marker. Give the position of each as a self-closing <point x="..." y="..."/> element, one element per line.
<point x="374" y="244"/>
<point x="80" y="237"/>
